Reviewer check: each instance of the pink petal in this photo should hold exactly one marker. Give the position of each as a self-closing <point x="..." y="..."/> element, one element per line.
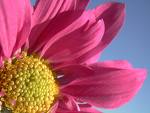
<point x="123" y="64"/>
<point x="45" y="12"/>
<point x="15" y="24"/>
<point x="1" y="59"/>
<point x="71" y="73"/>
<point x="84" y="32"/>
<point x="90" y="60"/>
<point x="67" y="103"/>
<point x="88" y="108"/>
<point x="47" y="9"/>
<point x="53" y="109"/>
<point x="74" y="112"/>
<point x="113" y="14"/>
<point x="77" y="42"/>
<point x="69" y="69"/>
<point x="54" y="36"/>
<point x="38" y="39"/>
<point x="107" y="87"/>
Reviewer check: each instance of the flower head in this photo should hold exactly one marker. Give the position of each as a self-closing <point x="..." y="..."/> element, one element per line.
<point x="49" y="57"/>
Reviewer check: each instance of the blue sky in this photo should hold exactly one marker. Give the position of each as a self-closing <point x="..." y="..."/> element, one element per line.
<point x="133" y="44"/>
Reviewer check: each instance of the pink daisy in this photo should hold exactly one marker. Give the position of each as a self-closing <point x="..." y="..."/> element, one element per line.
<point x="49" y="57"/>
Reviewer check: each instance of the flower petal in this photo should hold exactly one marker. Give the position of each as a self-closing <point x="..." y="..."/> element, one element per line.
<point x="101" y="86"/>
<point x="53" y="109"/>
<point x="81" y="30"/>
<point x="113" y="14"/>
<point x="74" y="112"/>
<point x="85" y="33"/>
<point x="67" y="103"/>
<point x="88" y="108"/>
<point x="38" y="39"/>
<point x="47" y="9"/>
<point x="69" y="69"/>
<point x="1" y="58"/>
<point x="77" y="42"/>
<point x="121" y="64"/>
<point x="45" y="12"/>
<point x="15" y="24"/>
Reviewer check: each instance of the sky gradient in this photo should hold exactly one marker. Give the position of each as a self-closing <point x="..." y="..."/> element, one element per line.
<point x="132" y="44"/>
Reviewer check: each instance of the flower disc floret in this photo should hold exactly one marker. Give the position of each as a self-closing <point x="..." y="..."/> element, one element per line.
<point x="29" y="85"/>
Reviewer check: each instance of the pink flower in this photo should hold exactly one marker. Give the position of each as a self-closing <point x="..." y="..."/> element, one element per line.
<point x="49" y="57"/>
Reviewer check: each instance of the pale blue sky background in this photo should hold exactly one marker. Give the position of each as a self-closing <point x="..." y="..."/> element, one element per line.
<point x="133" y="44"/>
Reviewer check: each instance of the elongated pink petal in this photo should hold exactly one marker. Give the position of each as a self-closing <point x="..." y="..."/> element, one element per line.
<point x="77" y="42"/>
<point x="67" y="103"/>
<point x="67" y="70"/>
<point x="45" y="12"/>
<point x="1" y="58"/>
<point x="71" y="74"/>
<point x="47" y="9"/>
<point x="53" y="109"/>
<point x="90" y="60"/>
<point x="14" y="24"/>
<point x="121" y="64"/>
<point x="74" y="112"/>
<point x="101" y="86"/>
<point x="113" y="14"/>
<point x="84" y="33"/>
<point x="38" y="39"/>
<point x="88" y="108"/>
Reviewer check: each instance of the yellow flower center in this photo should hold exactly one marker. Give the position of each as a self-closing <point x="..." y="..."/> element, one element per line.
<point x="29" y="85"/>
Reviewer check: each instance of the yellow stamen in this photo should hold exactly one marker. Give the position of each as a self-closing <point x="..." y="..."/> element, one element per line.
<point x="29" y="85"/>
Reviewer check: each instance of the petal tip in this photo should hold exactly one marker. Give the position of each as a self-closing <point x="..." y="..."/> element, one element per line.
<point x="120" y="5"/>
<point x="141" y="75"/>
